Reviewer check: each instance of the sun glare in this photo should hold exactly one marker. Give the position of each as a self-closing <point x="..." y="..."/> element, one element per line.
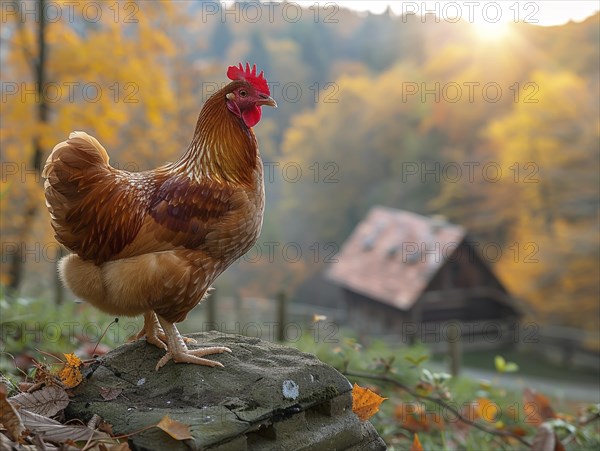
<point x="491" y="31"/>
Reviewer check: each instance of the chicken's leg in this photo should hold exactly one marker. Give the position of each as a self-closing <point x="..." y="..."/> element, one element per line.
<point x="179" y="352"/>
<point x="154" y="333"/>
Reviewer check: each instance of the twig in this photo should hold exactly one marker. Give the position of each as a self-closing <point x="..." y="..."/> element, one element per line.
<point x="25" y="375"/>
<point x="588" y="420"/>
<point x="439" y="402"/>
<point x="114" y="321"/>
<point x="50" y="355"/>
<point x="580" y="423"/>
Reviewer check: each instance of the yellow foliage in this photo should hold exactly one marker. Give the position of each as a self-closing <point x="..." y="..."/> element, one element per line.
<point x="70" y="375"/>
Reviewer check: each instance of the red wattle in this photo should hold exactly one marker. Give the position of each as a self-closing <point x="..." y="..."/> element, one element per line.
<point x="252" y="116"/>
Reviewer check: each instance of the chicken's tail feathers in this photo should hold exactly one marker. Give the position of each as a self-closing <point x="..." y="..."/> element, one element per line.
<point x="70" y="166"/>
<point x="79" y="152"/>
<point x="78" y="178"/>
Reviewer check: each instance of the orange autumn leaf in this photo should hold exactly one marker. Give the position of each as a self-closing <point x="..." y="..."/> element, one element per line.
<point x="365" y="403"/>
<point x="70" y="375"/>
<point x="416" y="444"/>
<point x="176" y="429"/>
<point x="486" y="409"/>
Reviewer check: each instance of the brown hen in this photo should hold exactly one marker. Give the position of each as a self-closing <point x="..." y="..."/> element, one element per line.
<point x="153" y="242"/>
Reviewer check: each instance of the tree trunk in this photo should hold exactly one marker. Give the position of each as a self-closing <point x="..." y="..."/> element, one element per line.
<point x="38" y="63"/>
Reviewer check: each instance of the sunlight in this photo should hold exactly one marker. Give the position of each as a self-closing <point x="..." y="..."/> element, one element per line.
<point x="491" y="31"/>
<point x="542" y="12"/>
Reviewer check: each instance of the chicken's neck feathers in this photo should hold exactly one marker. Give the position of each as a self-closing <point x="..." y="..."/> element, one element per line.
<point x="223" y="147"/>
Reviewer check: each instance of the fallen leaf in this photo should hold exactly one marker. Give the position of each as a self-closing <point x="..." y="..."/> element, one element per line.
<point x="108" y="393"/>
<point x="177" y="430"/>
<point x="53" y="431"/>
<point x="71" y="375"/>
<point x="6" y="443"/>
<point x="416" y="444"/>
<point x="47" y="402"/>
<point x="365" y="403"/>
<point x="536" y="407"/>
<point x="9" y="416"/>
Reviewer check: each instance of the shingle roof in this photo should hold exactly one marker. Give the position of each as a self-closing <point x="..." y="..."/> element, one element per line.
<point x="392" y="255"/>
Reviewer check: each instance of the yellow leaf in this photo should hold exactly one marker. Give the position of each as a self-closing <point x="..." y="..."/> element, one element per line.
<point x="70" y="375"/>
<point x="365" y="403"/>
<point x="500" y="363"/>
<point x="416" y="444"/>
<point x="177" y="430"/>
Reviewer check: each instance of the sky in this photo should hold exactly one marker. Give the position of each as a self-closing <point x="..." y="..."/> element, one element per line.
<point x="546" y="13"/>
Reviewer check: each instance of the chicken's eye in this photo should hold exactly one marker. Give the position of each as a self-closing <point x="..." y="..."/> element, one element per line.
<point x="243" y="93"/>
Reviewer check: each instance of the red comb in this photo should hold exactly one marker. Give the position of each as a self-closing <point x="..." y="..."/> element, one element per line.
<point x="258" y="81"/>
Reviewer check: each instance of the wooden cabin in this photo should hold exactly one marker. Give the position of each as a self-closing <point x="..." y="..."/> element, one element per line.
<point x="409" y="275"/>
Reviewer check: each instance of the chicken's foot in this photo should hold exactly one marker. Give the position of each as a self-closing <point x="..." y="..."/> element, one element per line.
<point x="179" y="352"/>
<point x="154" y="333"/>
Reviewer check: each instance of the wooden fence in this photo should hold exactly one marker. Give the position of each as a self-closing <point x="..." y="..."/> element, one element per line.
<point x="281" y="320"/>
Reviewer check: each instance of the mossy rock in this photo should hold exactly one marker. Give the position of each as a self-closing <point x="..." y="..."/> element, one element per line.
<point x="267" y="397"/>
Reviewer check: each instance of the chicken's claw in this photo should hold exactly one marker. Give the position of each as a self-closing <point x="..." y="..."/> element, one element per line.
<point x="159" y="339"/>
<point x="178" y="351"/>
<point x="154" y="333"/>
<point x="193" y="356"/>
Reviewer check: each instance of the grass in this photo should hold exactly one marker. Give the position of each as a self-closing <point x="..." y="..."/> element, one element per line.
<point x="30" y="326"/>
<point x="531" y="364"/>
<point x="438" y="428"/>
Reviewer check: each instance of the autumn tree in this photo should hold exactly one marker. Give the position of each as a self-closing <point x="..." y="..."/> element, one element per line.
<point x="551" y="146"/>
<point x="35" y="56"/>
<point x="91" y="72"/>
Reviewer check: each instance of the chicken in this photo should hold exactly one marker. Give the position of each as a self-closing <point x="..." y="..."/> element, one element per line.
<point x="152" y="242"/>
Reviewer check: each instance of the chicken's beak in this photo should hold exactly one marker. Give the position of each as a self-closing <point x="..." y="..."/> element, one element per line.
<point x="266" y="100"/>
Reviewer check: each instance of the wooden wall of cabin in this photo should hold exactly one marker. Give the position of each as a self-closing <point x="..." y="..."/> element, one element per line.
<point x="367" y="316"/>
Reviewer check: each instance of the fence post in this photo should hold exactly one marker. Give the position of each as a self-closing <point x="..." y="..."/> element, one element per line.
<point x="281" y="316"/>
<point x="454" y="351"/>
<point x="237" y="306"/>
<point x="211" y="311"/>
